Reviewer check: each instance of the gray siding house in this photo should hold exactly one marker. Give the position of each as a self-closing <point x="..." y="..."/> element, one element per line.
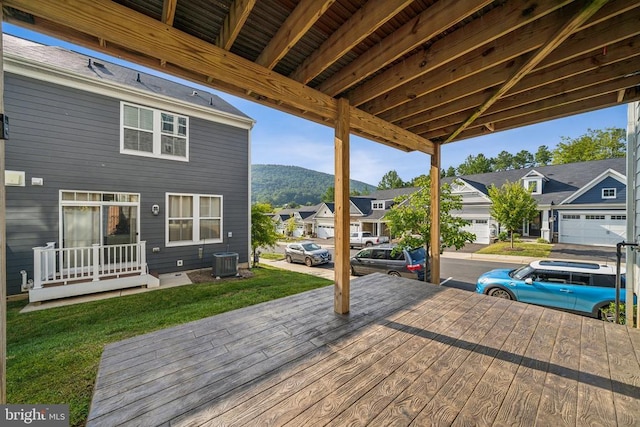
<point x="115" y="176"/>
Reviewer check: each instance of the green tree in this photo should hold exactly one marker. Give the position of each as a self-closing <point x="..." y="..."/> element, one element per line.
<point x="290" y="225"/>
<point x="475" y="164"/>
<point x="511" y="205"/>
<point x="503" y="161"/>
<point x="543" y="156"/>
<point x="389" y="180"/>
<point x="263" y="231"/>
<point x="451" y="172"/>
<point x="329" y="195"/>
<point x="410" y="218"/>
<point x="594" y="145"/>
<point x="523" y="159"/>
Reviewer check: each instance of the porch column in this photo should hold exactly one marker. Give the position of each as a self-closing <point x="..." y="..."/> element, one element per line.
<point x="341" y="218"/>
<point x="435" y="214"/>
<point x="3" y="244"/>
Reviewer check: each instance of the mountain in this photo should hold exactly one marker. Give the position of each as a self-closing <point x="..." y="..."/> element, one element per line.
<point x="280" y="184"/>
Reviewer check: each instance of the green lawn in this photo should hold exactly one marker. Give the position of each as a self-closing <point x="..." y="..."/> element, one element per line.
<point x="53" y="354"/>
<point x="532" y="249"/>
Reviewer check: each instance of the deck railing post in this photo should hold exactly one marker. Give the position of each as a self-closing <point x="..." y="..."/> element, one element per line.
<point x="96" y="262"/>
<point x="142" y="257"/>
<point x="37" y="267"/>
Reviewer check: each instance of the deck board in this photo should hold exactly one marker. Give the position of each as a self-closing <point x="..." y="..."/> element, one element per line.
<point x="408" y="353"/>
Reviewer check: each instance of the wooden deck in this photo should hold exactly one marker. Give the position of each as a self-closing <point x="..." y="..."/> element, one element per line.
<point x="407" y="354"/>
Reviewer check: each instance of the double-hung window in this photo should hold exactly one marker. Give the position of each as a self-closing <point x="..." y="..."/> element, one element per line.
<point x="193" y="219"/>
<point x="154" y="133"/>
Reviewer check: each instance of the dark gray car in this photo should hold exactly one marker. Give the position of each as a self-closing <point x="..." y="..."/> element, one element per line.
<point x="308" y="253"/>
<point x="403" y="262"/>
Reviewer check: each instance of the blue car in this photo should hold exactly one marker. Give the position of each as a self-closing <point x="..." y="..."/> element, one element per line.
<point x="580" y="287"/>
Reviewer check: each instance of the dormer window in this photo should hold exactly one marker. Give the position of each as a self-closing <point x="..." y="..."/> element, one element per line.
<point x="608" y="193"/>
<point x="377" y="205"/>
<point x="533" y="185"/>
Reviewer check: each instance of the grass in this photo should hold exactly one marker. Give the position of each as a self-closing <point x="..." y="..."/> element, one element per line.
<point x="529" y="249"/>
<point x="53" y="354"/>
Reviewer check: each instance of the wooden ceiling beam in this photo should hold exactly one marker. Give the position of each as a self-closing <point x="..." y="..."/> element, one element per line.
<point x="235" y="75"/>
<point x="493" y="25"/>
<point x="466" y="93"/>
<point x="169" y="11"/>
<point x="430" y="23"/>
<point x="556" y="40"/>
<point x="580" y="107"/>
<point x="536" y="102"/>
<point x="306" y="13"/>
<point x="238" y="13"/>
<point x="358" y="27"/>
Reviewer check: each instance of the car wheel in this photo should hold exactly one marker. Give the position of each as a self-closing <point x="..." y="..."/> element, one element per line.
<point x="353" y="272"/>
<point x="500" y="293"/>
<point x="394" y="274"/>
<point x="308" y="262"/>
<point x="368" y="244"/>
<point x="288" y="258"/>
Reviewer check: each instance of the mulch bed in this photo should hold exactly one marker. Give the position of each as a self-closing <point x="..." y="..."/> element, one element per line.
<point x="204" y="275"/>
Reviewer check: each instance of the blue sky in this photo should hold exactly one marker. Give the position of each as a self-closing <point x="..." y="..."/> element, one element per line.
<point x="280" y="138"/>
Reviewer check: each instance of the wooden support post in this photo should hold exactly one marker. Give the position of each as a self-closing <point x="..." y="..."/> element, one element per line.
<point x="435" y="215"/>
<point x="3" y="242"/>
<point x="341" y="235"/>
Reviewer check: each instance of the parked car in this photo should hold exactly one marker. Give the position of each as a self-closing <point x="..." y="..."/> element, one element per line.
<point x="403" y="262"/>
<point x="580" y="287"/>
<point x="308" y="253"/>
<point x="361" y="239"/>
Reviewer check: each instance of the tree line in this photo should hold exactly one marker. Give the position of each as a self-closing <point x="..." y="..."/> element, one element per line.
<point x="596" y="144"/>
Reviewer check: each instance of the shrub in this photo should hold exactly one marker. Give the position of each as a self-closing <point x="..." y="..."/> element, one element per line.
<point x="503" y="236"/>
<point x="609" y="313"/>
<point x="541" y="240"/>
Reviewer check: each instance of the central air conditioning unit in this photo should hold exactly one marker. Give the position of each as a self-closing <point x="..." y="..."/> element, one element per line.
<point x="225" y="264"/>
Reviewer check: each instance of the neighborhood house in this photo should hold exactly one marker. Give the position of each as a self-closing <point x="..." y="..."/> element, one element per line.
<point x="114" y="176"/>
<point x="579" y="203"/>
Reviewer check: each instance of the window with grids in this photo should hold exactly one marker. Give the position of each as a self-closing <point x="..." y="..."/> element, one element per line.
<point x="608" y="193"/>
<point x="153" y="133"/>
<point x="599" y="217"/>
<point x="193" y="219"/>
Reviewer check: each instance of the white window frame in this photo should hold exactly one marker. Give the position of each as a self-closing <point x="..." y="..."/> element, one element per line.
<point x="609" y="189"/>
<point x="195" y="218"/>
<point x="378" y="205"/>
<point x="157" y="134"/>
<point x="538" y="184"/>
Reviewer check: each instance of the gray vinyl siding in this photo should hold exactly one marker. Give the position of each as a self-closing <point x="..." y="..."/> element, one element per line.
<point x="71" y="139"/>
<point x="594" y="195"/>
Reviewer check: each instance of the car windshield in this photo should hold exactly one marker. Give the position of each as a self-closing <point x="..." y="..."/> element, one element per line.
<point x="521" y="272"/>
<point x="311" y="247"/>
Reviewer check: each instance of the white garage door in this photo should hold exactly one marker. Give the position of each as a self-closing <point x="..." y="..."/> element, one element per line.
<point x="603" y="229"/>
<point x="479" y="227"/>
<point x="325" y="231"/>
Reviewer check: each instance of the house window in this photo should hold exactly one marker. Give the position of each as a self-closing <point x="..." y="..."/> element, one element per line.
<point x="567" y="216"/>
<point x="153" y="133"/>
<point x="597" y="217"/>
<point x="193" y="219"/>
<point x="608" y="193"/>
<point x="533" y="187"/>
<point x="378" y="205"/>
<point x="619" y="217"/>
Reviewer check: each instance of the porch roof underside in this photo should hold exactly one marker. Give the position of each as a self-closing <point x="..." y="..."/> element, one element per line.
<point x="416" y="72"/>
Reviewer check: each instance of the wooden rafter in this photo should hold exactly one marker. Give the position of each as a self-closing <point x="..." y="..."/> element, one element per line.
<point x="495" y="24"/>
<point x="556" y="40"/>
<point x="364" y="22"/>
<point x="169" y="11"/>
<point x="238" y="14"/>
<point x="423" y="27"/>
<point x="306" y="13"/>
<point x="123" y="27"/>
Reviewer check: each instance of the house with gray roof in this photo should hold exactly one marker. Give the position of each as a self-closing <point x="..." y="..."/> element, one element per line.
<point x="580" y="203"/>
<point x="115" y="176"/>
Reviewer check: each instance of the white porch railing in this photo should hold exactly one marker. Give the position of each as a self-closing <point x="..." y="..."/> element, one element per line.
<point x="56" y="266"/>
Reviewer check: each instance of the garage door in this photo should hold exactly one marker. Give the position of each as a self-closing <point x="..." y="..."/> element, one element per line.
<point x="479" y="227"/>
<point x="325" y="231"/>
<point x="604" y="229"/>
